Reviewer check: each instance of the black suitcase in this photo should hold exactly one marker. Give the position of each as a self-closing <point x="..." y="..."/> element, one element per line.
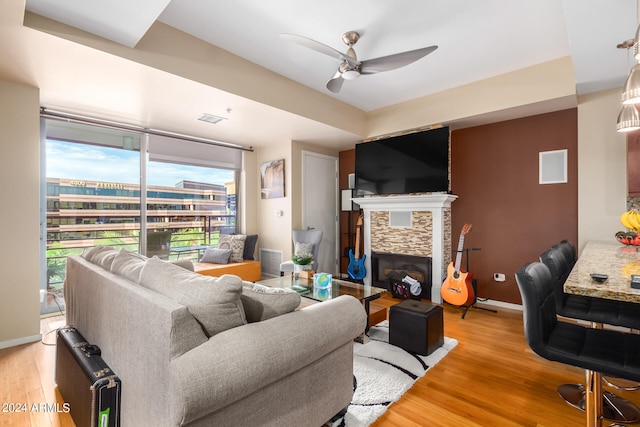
<point x="85" y="381"/>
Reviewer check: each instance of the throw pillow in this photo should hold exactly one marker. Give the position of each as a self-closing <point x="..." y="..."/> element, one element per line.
<point x="303" y="248"/>
<point x="100" y="255"/>
<point x="128" y="264"/>
<point x="250" y="247"/>
<point x="262" y="302"/>
<point x="234" y="242"/>
<point x="216" y="256"/>
<point x="213" y="301"/>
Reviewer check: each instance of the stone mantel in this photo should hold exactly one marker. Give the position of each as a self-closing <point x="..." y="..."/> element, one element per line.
<point x="437" y="204"/>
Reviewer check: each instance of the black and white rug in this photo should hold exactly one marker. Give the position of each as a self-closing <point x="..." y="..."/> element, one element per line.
<point x="383" y="373"/>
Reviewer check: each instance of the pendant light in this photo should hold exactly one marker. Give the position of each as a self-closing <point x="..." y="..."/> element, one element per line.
<point x="631" y="91"/>
<point x="628" y="119"/>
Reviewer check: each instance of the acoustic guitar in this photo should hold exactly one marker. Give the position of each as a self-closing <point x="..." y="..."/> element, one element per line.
<point x="457" y="288"/>
<point x="356" y="268"/>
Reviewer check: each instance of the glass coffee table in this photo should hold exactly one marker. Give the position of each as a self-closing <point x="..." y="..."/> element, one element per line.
<point x="305" y="288"/>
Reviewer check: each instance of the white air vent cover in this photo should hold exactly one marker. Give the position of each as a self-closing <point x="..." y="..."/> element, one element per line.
<point x="270" y="261"/>
<point x="210" y="118"/>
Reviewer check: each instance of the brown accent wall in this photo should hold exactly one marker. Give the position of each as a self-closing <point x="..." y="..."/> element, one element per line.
<point x="346" y="166"/>
<point x="494" y="173"/>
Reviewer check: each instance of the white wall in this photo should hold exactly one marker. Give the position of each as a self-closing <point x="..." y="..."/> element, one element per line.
<point x="602" y="167"/>
<point x="275" y="231"/>
<point x="601" y="173"/>
<point x="19" y="214"/>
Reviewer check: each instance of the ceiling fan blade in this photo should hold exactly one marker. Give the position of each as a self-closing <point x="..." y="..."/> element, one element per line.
<point x="319" y="47"/>
<point x="335" y="83"/>
<point x="391" y="62"/>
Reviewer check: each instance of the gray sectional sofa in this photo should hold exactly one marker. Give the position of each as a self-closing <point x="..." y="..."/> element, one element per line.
<point x="203" y="351"/>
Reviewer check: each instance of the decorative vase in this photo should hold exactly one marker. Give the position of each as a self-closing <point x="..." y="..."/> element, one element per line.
<point x="297" y="268"/>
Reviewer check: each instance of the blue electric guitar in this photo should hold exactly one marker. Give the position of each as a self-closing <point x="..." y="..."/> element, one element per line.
<point x="356" y="269"/>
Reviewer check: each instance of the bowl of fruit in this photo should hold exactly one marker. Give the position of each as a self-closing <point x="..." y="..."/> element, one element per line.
<point x="631" y="238"/>
<point x="631" y="220"/>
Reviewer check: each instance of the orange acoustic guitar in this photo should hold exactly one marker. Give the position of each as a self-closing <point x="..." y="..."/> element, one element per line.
<point x="457" y="288"/>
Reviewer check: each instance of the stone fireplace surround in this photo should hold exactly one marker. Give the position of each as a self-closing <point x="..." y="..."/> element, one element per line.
<point x="428" y="234"/>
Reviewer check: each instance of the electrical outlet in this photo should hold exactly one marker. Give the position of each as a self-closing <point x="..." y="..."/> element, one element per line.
<point x="499" y="277"/>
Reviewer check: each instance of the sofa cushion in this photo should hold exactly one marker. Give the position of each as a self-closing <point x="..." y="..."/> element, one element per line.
<point x="100" y="255"/>
<point x="263" y="302"/>
<point x="235" y="242"/>
<point x="250" y="247"/>
<point x="184" y="263"/>
<point x="214" y="302"/>
<point x="128" y="264"/>
<point x="216" y="256"/>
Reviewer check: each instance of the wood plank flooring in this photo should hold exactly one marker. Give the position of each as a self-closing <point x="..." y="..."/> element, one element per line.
<point x="490" y="379"/>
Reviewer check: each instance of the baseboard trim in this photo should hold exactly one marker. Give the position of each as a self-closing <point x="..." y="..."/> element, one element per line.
<point x="501" y="304"/>
<point x="20" y="341"/>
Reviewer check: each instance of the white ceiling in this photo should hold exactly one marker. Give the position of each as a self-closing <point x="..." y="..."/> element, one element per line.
<point x="476" y="40"/>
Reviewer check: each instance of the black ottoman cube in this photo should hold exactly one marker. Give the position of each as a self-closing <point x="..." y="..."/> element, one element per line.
<point x="416" y="326"/>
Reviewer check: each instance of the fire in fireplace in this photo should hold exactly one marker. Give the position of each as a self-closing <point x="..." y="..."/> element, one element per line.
<point x="411" y="272"/>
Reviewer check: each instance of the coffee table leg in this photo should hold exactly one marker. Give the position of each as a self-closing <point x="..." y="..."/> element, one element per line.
<point x="364" y="338"/>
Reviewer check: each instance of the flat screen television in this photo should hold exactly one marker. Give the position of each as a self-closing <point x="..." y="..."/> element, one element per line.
<point x="412" y="163"/>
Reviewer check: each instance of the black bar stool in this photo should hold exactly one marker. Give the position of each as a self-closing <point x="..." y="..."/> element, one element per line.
<point x="598" y="351"/>
<point x="598" y="312"/>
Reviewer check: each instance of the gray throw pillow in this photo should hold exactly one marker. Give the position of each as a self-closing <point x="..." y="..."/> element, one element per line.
<point x="216" y="256"/>
<point x="235" y="242"/>
<point x="303" y="248"/>
<point x="262" y="302"/>
<point x="128" y="264"/>
<point x="213" y="301"/>
<point x="100" y="255"/>
<point x="250" y="247"/>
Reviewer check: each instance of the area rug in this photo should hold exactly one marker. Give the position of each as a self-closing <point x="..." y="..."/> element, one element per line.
<point x="383" y="373"/>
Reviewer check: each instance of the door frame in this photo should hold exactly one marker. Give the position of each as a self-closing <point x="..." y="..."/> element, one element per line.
<point x="309" y="200"/>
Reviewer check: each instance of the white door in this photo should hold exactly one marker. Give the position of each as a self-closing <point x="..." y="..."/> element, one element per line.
<point x="320" y="205"/>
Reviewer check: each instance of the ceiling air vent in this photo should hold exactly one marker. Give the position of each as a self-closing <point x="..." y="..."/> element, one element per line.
<point x="211" y="118"/>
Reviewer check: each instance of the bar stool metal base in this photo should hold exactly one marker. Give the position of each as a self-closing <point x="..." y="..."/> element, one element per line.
<point x="614" y="408"/>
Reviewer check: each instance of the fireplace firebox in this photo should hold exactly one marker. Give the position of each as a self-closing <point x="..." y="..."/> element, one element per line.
<point x="389" y="270"/>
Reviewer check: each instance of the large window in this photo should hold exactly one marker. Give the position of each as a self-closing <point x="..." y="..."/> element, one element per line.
<point x="95" y="195"/>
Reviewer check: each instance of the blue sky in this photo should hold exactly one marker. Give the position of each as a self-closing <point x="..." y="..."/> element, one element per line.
<point x="89" y="162"/>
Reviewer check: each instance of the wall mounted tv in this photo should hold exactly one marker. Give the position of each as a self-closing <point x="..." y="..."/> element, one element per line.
<point x="412" y="163"/>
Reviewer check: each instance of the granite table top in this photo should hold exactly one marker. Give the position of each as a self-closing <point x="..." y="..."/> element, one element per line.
<point x="617" y="261"/>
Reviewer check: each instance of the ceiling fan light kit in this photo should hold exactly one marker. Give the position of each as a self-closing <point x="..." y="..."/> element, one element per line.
<point x="351" y="68"/>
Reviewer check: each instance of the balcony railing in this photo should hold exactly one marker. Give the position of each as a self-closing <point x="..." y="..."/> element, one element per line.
<point x="59" y="249"/>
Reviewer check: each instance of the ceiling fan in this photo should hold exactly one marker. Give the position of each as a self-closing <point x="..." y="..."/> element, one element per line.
<point x="351" y="67"/>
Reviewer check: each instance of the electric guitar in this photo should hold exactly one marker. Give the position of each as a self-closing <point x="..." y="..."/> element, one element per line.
<point x="356" y="268"/>
<point x="457" y="288"/>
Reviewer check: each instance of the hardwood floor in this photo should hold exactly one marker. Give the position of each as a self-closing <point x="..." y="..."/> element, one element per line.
<point x="490" y="379"/>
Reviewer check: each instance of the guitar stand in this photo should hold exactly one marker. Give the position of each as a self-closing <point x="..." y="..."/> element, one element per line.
<point x="474" y="285"/>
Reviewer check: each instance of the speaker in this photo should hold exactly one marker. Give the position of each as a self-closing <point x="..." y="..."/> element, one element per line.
<point x="347" y="204"/>
<point x="553" y="167"/>
<point x="352" y="180"/>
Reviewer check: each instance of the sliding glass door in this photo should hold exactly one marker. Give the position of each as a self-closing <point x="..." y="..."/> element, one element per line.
<point x="187" y="208"/>
<point x="99" y="189"/>
<point x="92" y="193"/>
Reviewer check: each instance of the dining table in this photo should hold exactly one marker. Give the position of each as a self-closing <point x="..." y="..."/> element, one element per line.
<point x="617" y="262"/>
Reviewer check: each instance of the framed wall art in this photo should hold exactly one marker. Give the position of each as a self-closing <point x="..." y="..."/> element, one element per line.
<point x="272" y="179"/>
